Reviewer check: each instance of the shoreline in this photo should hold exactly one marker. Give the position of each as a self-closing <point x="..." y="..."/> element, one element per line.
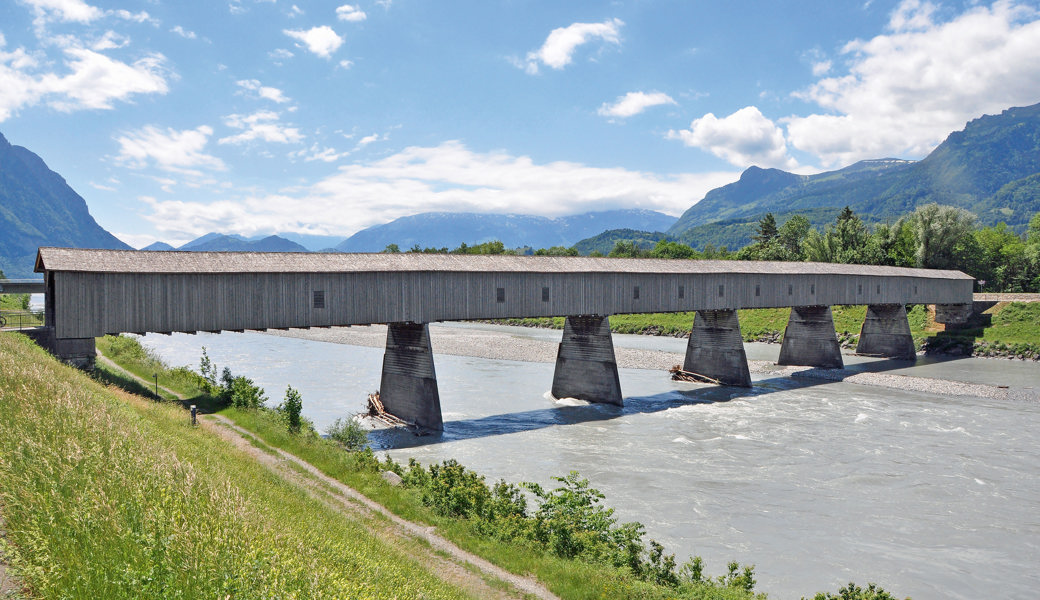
<point x="500" y="345"/>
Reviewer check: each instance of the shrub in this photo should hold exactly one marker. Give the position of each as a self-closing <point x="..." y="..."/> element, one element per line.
<point x="854" y="592"/>
<point x="349" y="433"/>
<point x="291" y="408"/>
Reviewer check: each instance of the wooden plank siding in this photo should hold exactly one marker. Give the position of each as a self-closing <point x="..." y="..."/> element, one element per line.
<point x="90" y="303"/>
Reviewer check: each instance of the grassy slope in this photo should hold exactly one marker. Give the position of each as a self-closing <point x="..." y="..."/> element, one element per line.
<point x="106" y="495"/>
<point x="573" y="580"/>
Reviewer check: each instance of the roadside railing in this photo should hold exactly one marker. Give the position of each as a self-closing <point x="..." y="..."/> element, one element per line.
<point x="20" y="319"/>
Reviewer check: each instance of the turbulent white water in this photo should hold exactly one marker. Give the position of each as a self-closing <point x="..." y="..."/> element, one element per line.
<point x="816" y="483"/>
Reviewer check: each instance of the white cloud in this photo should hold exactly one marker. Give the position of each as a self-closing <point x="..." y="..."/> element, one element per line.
<point x="263" y="126"/>
<point x="109" y="41"/>
<point x="744" y="138"/>
<point x="141" y="17"/>
<point x="322" y="41"/>
<point x="188" y="35"/>
<point x="280" y="55"/>
<point x="447" y="177"/>
<point x="633" y="103"/>
<point x="318" y="152"/>
<point x="346" y="64"/>
<point x="263" y="91"/>
<point x="558" y="49"/>
<point x="350" y="13"/>
<point x="70" y="11"/>
<point x="821" y="68"/>
<point x="169" y="150"/>
<point x="905" y="90"/>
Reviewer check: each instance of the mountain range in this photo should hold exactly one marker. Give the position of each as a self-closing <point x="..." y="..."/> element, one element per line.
<point x="991" y="167"/>
<point x="38" y="208"/>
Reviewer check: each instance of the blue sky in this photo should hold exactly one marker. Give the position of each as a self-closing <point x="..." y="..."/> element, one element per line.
<point x="174" y="119"/>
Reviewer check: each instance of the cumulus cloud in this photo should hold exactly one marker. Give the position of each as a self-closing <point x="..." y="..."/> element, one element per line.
<point x="69" y="11"/>
<point x="633" y="103"/>
<point x="93" y="80"/>
<point x="184" y="33"/>
<point x="744" y="138"/>
<point x="260" y="126"/>
<point x="322" y="40"/>
<point x="169" y="150"/>
<point x="350" y="13"/>
<point x="558" y="50"/>
<point x="263" y="91"/>
<point x="905" y="90"/>
<point x="447" y="177"/>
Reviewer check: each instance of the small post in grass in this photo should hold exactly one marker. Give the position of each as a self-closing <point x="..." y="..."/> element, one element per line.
<point x="156" y="376"/>
<point x="194" y="412"/>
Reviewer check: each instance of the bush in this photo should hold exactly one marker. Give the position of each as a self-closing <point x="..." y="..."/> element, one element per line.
<point x="349" y="433"/>
<point x="291" y="408"/>
<point x="854" y="592"/>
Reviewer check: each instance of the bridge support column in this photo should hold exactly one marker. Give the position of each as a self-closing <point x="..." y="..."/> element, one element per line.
<point x="716" y="348"/>
<point x="810" y="339"/>
<point x="408" y="386"/>
<point x="886" y="332"/>
<point x="585" y="365"/>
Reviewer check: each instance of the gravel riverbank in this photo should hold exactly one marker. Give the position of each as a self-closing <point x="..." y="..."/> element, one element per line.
<point x="468" y="341"/>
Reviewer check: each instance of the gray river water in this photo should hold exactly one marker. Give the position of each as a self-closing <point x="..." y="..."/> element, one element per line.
<point x="816" y="484"/>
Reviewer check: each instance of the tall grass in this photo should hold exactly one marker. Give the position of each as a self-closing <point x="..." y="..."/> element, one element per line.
<point x="106" y="495"/>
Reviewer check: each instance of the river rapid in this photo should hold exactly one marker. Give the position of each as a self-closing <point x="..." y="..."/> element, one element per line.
<point x="815" y="483"/>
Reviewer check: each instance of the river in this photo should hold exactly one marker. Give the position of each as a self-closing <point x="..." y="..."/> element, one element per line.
<point x="815" y="483"/>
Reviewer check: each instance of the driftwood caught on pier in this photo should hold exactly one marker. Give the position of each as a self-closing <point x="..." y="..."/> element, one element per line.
<point x="377" y="411"/>
<point x="679" y="375"/>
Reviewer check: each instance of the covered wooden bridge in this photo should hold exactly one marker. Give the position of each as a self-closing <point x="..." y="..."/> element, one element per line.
<point x="91" y="293"/>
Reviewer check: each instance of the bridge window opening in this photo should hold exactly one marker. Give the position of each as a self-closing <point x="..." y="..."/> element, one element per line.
<point x="545" y="294"/>
<point x="682" y="291"/>
<point x="859" y="288"/>
<point x="319" y="298"/>
<point x="879" y="288"/>
<point x="790" y="289"/>
<point x="635" y="293"/>
<point x="915" y="290"/>
<point x="500" y="294"/>
<point x="722" y="290"/>
<point x="758" y="290"/>
<point x="812" y="289"/>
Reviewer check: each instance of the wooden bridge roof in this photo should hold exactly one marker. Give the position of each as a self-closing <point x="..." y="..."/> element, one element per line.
<point x="142" y="261"/>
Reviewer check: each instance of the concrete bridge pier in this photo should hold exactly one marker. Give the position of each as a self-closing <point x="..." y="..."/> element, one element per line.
<point x="886" y="332"/>
<point x="78" y="352"/>
<point x="585" y="364"/>
<point x="716" y="348"/>
<point x="810" y="339"/>
<point x="408" y="386"/>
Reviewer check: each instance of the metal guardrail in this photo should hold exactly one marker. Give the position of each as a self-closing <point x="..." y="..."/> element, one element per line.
<point x="20" y="319"/>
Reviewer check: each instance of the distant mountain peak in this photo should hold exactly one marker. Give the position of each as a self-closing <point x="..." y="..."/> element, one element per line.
<point x="38" y="208"/>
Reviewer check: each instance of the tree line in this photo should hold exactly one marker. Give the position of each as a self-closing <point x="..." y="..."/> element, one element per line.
<point x="933" y="236"/>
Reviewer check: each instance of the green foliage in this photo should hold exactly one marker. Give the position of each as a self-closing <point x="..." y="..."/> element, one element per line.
<point x="556" y="251"/>
<point x="291" y="407"/>
<point x="854" y="592"/>
<point x="627" y="249"/>
<point x="208" y="371"/>
<point x="605" y="242"/>
<point x="669" y="249"/>
<point x="349" y="433"/>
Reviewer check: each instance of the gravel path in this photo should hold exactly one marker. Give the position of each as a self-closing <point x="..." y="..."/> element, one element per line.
<point x="481" y="343"/>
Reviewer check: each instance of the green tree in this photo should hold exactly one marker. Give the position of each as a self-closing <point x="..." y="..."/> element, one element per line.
<point x="391" y="249"/>
<point x="556" y="251"/>
<point x="766" y="229"/>
<point x="291" y="407"/>
<point x="942" y="235"/>
<point x="666" y="249"/>
<point x="208" y="371"/>
<point x="349" y="433"/>
<point x="627" y="249"/>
